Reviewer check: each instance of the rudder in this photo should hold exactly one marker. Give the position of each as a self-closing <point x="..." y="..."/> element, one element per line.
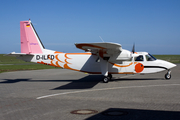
<point x="30" y="41"/>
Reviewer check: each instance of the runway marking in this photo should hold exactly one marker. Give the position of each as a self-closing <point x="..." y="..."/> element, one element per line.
<point x="81" y="91"/>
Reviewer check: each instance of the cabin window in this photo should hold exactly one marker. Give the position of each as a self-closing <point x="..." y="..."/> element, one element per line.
<point x="139" y="58"/>
<point x="149" y="57"/>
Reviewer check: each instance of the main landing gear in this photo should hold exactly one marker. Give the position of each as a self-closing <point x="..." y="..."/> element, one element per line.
<point x="107" y="78"/>
<point x="168" y="75"/>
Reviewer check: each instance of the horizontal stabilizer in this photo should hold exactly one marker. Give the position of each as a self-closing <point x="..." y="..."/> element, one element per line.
<point x="18" y="54"/>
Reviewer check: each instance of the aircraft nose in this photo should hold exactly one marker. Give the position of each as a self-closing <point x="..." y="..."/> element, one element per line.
<point x="169" y="65"/>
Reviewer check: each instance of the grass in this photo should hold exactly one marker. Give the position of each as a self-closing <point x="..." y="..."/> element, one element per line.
<point x="7" y="68"/>
<point x="10" y="60"/>
<point x="170" y="58"/>
<point x="8" y="63"/>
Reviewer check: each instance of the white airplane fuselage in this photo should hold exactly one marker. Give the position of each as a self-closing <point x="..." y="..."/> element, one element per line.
<point x="89" y="63"/>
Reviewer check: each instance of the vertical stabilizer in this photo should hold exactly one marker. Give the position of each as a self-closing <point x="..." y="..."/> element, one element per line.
<point x="30" y="42"/>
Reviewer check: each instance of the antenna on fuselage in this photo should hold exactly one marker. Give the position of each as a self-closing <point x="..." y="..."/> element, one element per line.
<point x="101" y="38"/>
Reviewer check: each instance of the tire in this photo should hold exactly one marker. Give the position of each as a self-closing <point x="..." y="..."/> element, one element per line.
<point x="167" y="76"/>
<point x="105" y="79"/>
<point x="110" y="76"/>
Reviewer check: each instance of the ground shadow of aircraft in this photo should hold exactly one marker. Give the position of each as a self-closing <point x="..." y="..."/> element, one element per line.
<point x="135" y="114"/>
<point x="8" y="81"/>
<point x="86" y="82"/>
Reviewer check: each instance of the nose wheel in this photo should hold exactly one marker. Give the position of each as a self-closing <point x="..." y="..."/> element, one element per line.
<point x="168" y="75"/>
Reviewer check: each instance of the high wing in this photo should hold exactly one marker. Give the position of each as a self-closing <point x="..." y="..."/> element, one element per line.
<point x="110" y="51"/>
<point x="105" y="49"/>
<point x="103" y="45"/>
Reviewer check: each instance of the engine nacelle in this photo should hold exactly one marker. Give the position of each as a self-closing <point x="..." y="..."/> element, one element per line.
<point x="122" y="56"/>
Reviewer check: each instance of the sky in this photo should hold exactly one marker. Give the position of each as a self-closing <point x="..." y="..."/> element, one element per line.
<point x="152" y="25"/>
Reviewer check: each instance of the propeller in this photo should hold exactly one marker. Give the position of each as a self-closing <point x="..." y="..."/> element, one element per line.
<point x="133" y="52"/>
<point x="133" y="49"/>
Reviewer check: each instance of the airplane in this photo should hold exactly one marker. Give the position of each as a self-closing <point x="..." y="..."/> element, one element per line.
<point x="105" y="58"/>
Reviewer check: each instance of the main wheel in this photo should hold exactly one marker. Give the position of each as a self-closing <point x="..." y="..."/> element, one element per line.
<point x="167" y="76"/>
<point x="105" y="79"/>
<point x="110" y="76"/>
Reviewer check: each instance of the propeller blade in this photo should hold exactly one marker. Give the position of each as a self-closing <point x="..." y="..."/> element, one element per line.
<point x="133" y="49"/>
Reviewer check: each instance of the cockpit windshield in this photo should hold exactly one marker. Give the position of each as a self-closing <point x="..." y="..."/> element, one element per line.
<point x="149" y="57"/>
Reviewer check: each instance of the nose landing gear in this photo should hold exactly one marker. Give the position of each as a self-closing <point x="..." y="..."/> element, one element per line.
<point x="168" y="75"/>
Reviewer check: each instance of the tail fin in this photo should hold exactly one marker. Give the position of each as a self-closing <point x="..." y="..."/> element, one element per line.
<point x="30" y="41"/>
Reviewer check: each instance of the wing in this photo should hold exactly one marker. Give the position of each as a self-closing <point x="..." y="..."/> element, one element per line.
<point x="104" y="49"/>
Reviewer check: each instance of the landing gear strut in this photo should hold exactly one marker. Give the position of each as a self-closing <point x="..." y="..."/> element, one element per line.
<point x="110" y="76"/>
<point x="168" y="75"/>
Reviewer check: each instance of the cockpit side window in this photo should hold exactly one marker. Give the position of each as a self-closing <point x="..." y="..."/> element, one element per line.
<point x="153" y="57"/>
<point x="139" y="58"/>
<point x="149" y="57"/>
